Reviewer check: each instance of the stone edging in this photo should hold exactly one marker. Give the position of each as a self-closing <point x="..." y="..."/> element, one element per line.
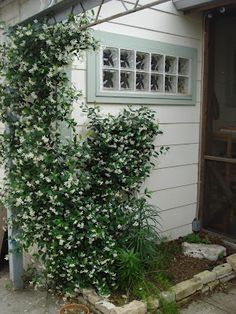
<point x="202" y="282"/>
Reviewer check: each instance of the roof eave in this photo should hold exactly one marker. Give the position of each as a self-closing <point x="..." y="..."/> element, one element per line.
<point x="189" y="4"/>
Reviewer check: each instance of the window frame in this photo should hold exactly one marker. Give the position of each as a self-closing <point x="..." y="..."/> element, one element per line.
<point x="94" y="69"/>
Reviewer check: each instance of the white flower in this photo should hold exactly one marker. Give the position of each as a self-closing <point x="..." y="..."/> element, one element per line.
<point x="33" y="95"/>
<point x="61" y="242"/>
<point x="45" y="139"/>
<point x="19" y="202"/>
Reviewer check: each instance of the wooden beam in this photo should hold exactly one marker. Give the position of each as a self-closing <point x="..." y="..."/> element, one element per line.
<point x="220" y="159"/>
<point x="207" y="25"/>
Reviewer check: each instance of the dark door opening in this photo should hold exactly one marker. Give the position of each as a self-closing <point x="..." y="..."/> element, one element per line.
<point x="219" y="152"/>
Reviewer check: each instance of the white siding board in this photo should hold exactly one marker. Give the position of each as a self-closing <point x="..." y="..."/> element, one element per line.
<point x="164" y="114"/>
<point x="167" y="178"/>
<point x="167" y="115"/>
<point x="178" y="114"/>
<point x="78" y="79"/>
<point x="179" y="155"/>
<point x="174" y="197"/>
<point x="177" y="217"/>
<point x="155" y="20"/>
<point x="140" y="32"/>
<point x="177" y="232"/>
<point x="178" y="134"/>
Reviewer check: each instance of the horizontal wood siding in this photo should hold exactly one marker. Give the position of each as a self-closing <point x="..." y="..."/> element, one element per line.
<point x="174" y="181"/>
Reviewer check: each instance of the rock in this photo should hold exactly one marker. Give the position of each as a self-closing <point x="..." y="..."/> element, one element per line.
<point x="213" y="284"/>
<point x="206" y="276"/>
<point x="168" y="296"/>
<point x="105" y="307"/>
<point x="82" y="300"/>
<point x="208" y="251"/>
<point x="153" y="304"/>
<point x="86" y="292"/>
<point x="91" y="296"/>
<point x="222" y="270"/>
<point x="232" y="261"/>
<point x="228" y="277"/>
<point x="186" y="288"/>
<point x="205" y="289"/>
<point x="134" y="307"/>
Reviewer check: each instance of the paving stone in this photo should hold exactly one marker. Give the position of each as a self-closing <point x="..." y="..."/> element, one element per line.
<point x="168" y="296"/>
<point x="134" y="307"/>
<point x="224" y="301"/>
<point x="26" y="301"/>
<point x="186" y="288"/>
<point x="232" y="261"/>
<point x="222" y="270"/>
<point x="206" y="276"/>
<point x="200" y="307"/>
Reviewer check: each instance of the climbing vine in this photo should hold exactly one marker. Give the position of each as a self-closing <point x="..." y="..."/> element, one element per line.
<point x="76" y="199"/>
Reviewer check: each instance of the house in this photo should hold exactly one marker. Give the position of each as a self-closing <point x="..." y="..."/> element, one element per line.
<point x="179" y="58"/>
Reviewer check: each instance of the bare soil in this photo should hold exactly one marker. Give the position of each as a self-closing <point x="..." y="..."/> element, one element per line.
<point x="184" y="267"/>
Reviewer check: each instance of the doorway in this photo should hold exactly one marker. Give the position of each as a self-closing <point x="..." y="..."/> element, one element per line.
<point x="218" y="195"/>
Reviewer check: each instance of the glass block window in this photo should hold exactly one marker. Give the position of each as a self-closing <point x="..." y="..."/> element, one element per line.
<point x="130" y="70"/>
<point x="140" y="71"/>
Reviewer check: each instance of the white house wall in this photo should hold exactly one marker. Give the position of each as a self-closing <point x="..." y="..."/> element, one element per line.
<point x="174" y="181"/>
<point x="175" y="178"/>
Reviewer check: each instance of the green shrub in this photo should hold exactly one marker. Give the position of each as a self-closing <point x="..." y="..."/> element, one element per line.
<point x="129" y="269"/>
<point x="196" y="238"/>
<point x="168" y="308"/>
<point x="77" y="200"/>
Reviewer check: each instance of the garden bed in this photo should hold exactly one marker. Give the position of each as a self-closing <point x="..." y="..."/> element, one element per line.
<point x="172" y="266"/>
<point x="181" y="293"/>
<point x="180" y="278"/>
<point x="184" y="267"/>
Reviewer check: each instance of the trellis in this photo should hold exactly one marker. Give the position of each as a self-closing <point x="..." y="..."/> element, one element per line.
<point x="58" y="10"/>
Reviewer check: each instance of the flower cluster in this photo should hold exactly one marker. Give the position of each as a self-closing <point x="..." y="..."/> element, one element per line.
<point x="75" y="200"/>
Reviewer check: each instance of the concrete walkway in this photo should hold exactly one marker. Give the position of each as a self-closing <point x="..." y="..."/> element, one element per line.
<point x="218" y="303"/>
<point x="26" y="301"/>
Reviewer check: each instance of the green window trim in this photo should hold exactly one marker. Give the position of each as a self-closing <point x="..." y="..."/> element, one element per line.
<point x="96" y="93"/>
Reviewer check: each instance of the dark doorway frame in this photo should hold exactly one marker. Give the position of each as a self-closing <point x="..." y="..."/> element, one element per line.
<point x="208" y="76"/>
